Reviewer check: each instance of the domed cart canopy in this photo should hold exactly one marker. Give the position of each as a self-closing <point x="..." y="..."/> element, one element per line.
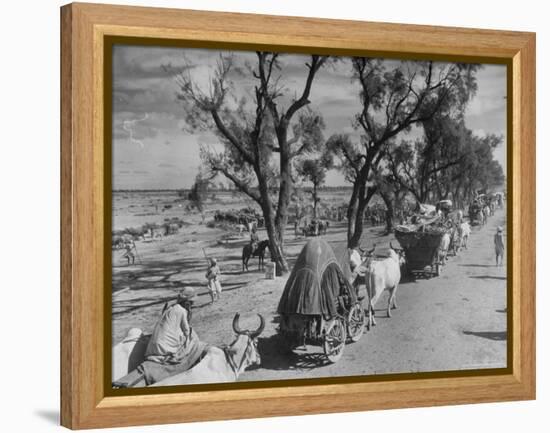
<point x="315" y="283"/>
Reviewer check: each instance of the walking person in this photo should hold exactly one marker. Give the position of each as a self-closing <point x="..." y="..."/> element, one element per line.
<point x="499" y="246"/>
<point x="213" y="276"/>
<point x="129" y="253"/>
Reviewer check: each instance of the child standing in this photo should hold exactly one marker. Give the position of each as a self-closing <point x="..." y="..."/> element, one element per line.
<point x="213" y="276"/>
<point x="499" y="246"/>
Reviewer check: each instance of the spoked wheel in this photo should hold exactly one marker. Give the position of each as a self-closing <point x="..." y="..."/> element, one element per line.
<point x="335" y="340"/>
<point x="356" y="322"/>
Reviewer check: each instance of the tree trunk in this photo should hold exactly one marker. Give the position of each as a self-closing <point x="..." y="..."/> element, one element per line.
<point x="275" y="248"/>
<point x="281" y="218"/>
<point x="352" y="214"/>
<point x="359" y="200"/>
<point x="314" y="201"/>
<point x="389" y="211"/>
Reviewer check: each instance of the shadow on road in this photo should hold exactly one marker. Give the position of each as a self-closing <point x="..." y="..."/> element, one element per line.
<point x="495" y="336"/>
<point x="487" y="277"/>
<point x="275" y="356"/>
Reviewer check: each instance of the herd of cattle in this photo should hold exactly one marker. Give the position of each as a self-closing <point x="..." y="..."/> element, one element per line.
<point x="244" y="217"/>
<point x="147" y="232"/>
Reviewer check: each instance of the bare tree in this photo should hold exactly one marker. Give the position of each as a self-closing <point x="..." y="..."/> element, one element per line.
<point x="253" y="131"/>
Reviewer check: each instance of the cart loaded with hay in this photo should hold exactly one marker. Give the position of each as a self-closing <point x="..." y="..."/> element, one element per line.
<point x="421" y="243"/>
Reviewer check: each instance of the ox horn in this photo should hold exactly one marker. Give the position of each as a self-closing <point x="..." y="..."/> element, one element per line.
<point x="254" y="334"/>
<point x="391" y="246"/>
<point x="236" y="326"/>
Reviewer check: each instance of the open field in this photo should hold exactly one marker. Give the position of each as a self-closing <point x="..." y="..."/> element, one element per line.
<point x="455" y="321"/>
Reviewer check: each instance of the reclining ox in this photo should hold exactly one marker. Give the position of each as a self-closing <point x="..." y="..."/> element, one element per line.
<point x="217" y="365"/>
<point x="382" y="275"/>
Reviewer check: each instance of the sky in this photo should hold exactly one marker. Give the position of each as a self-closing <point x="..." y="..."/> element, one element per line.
<point x="154" y="149"/>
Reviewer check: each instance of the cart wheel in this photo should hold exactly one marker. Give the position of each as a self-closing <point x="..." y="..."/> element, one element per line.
<point x="356" y="322"/>
<point x="335" y="340"/>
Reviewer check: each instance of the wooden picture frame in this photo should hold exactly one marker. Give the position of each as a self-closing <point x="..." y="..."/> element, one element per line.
<point x="84" y="28"/>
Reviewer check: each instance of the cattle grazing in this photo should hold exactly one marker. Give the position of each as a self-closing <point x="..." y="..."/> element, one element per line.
<point x="217" y="365"/>
<point x="382" y="275"/>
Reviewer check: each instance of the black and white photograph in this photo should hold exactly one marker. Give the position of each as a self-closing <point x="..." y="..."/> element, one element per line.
<point x="283" y="216"/>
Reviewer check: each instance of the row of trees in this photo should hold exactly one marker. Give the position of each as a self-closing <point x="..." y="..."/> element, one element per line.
<point x="273" y="138"/>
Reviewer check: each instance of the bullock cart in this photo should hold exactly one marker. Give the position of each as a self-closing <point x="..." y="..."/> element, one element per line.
<point x="421" y="249"/>
<point x="319" y="306"/>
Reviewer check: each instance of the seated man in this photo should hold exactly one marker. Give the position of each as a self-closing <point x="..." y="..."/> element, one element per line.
<point x="254" y="239"/>
<point x="174" y="346"/>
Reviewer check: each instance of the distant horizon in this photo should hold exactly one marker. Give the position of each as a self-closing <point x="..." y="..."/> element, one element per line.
<point x="320" y="188"/>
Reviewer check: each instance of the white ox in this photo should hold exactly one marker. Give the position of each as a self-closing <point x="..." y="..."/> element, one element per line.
<point x="487" y="212"/>
<point x="218" y="365"/>
<point x="444" y="247"/>
<point x="382" y="275"/>
<point x="464" y="231"/>
<point x="358" y="255"/>
<point x="357" y="259"/>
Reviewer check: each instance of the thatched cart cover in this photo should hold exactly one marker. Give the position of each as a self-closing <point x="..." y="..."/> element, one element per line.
<point x="315" y="283"/>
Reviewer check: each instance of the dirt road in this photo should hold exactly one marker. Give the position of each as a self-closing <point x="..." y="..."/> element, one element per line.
<point x="455" y="321"/>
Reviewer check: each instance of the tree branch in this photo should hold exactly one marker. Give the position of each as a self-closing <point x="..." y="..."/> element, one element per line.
<point x="232" y="139"/>
<point x="241" y="184"/>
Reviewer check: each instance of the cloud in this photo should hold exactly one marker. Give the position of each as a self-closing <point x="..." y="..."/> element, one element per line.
<point x="146" y="111"/>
